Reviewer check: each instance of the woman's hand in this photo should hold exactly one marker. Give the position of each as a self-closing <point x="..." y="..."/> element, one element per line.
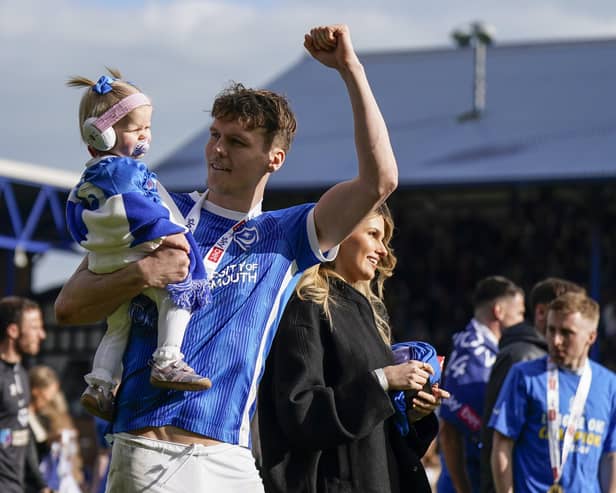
<point x="410" y="375"/>
<point x="425" y="402"/>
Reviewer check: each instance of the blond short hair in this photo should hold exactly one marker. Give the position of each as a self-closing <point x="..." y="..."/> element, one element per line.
<point x="576" y="302"/>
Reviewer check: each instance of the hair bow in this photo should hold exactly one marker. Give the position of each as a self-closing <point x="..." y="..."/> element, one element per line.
<point x="103" y="85"/>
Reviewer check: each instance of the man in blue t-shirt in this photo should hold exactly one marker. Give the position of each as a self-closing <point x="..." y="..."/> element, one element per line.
<point x="545" y="400"/>
<point x="498" y="303"/>
<point x="522" y="342"/>
<point x="175" y="441"/>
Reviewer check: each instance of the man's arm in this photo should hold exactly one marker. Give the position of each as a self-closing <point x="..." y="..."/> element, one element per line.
<point x="343" y="206"/>
<point x="501" y="462"/>
<point x="607" y="472"/>
<point x="88" y="298"/>
<point x="452" y="445"/>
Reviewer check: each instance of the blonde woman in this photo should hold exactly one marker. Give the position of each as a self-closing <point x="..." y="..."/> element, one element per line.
<point x="50" y="420"/>
<point x="326" y="419"/>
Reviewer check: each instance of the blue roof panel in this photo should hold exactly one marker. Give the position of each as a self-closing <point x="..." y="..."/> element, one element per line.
<point x="548" y="117"/>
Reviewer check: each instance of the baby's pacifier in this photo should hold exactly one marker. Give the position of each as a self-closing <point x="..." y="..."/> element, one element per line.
<point x="140" y="149"/>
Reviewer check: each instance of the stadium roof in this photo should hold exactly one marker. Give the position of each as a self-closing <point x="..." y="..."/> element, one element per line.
<point x="32" y="199"/>
<point x="549" y="116"/>
<point x="34" y="174"/>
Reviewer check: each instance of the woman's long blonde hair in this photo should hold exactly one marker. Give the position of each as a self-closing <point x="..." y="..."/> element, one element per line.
<point x="314" y="283"/>
<point x="56" y="416"/>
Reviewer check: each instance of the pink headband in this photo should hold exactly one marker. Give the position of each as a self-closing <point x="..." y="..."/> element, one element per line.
<point x="120" y="110"/>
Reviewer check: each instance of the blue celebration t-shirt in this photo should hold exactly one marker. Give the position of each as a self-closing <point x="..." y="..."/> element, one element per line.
<point x="520" y="413"/>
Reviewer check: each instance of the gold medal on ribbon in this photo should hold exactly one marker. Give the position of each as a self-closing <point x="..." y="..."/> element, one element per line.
<point x="556" y="488"/>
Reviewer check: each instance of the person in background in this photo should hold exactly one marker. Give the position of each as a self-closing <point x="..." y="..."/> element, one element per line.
<point x="432" y="463"/>
<point x="555" y="417"/>
<point x="21" y="334"/>
<point x="326" y="420"/>
<point x="498" y="303"/>
<point x="44" y="385"/>
<point x="61" y="466"/>
<point x="102" y="460"/>
<point x="520" y="342"/>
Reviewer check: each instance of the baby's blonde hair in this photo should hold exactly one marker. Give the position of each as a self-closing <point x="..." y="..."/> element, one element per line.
<point x="93" y="104"/>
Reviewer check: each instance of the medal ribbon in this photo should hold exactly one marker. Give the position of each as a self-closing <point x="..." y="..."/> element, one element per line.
<point x="215" y="254"/>
<point x="557" y="461"/>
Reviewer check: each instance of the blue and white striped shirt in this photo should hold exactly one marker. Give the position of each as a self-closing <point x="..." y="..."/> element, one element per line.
<point x="228" y="339"/>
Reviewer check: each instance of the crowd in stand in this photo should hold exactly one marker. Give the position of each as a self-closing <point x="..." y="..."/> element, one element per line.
<point x="444" y="250"/>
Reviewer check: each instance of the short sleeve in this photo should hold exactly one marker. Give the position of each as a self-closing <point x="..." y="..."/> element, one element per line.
<point x="509" y="413"/>
<point x="297" y="224"/>
<point x="610" y="438"/>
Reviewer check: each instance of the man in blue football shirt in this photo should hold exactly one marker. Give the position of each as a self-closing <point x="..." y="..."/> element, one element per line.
<point x="497" y="303"/>
<point x="170" y="440"/>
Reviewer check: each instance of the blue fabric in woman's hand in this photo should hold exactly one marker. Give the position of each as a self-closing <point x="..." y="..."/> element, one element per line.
<point x="406" y="351"/>
<point x="418" y="351"/>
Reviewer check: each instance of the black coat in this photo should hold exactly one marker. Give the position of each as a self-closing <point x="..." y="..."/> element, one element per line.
<point x="520" y="342"/>
<point x="324" y="420"/>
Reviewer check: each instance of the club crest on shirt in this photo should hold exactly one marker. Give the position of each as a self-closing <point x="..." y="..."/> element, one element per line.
<point x="245" y="237"/>
<point x="190" y="224"/>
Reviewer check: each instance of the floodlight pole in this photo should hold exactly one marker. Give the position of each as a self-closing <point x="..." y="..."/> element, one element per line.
<point x="479" y="37"/>
<point x="479" y="82"/>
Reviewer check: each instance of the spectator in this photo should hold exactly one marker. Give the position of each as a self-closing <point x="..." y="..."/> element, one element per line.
<point x="60" y="462"/>
<point x="44" y="385"/>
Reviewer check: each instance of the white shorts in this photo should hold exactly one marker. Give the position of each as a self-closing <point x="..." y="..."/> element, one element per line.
<point x="141" y="464"/>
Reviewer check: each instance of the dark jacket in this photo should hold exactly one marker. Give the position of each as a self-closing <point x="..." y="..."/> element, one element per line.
<point x="324" y="419"/>
<point x="519" y="342"/>
<point x="33" y="478"/>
